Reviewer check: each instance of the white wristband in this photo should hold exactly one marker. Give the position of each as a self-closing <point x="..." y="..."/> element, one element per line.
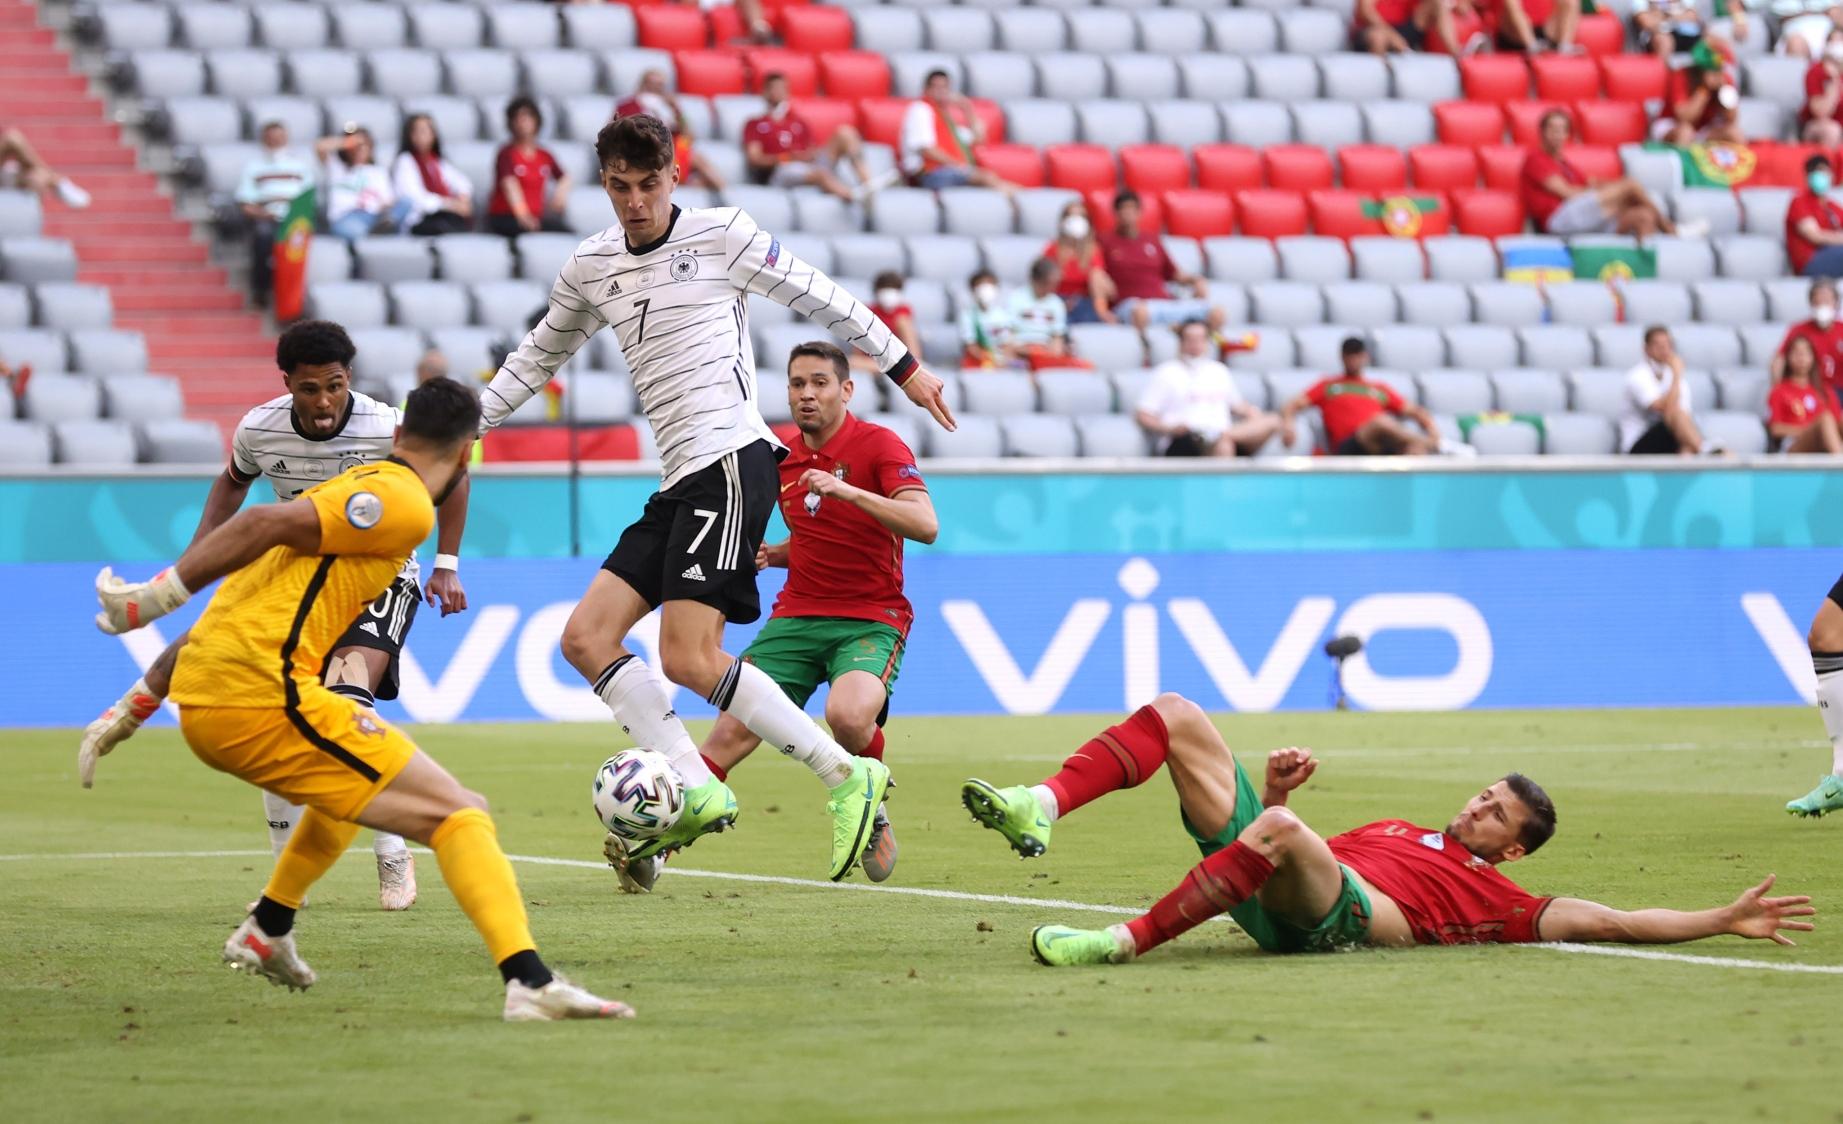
<point x="448" y="562"/>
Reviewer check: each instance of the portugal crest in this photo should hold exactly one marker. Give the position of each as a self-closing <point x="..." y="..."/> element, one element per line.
<point x="1724" y="163"/>
<point x="1401" y="217"/>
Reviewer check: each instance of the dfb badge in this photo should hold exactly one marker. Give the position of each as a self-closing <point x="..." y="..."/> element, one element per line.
<point x="350" y="460"/>
<point x="684" y="267"/>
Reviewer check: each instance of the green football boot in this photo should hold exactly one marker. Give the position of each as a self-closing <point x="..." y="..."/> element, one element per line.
<point x="1058" y="946"/>
<point x="1013" y="812"/>
<point x="1827" y="797"/>
<point x="709" y="807"/>
<point x="853" y="808"/>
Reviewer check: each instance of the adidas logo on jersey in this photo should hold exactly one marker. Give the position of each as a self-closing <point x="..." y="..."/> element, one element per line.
<point x="369" y="627"/>
<point x="279" y="467"/>
<point x="695" y="573"/>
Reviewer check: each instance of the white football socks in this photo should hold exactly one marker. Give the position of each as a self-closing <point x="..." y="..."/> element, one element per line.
<point x="759" y="703"/>
<point x="1830" y="704"/>
<point x="1046" y="797"/>
<point x="282" y="817"/>
<point x="638" y="700"/>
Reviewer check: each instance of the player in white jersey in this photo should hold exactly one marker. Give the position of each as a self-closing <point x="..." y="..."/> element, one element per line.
<point x="314" y="432"/>
<point x="673" y="283"/>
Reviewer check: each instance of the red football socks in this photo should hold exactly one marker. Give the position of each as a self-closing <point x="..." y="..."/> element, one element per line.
<point x="875" y="748"/>
<point x="1216" y="885"/>
<point x="1120" y="756"/>
<point x="716" y="770"/>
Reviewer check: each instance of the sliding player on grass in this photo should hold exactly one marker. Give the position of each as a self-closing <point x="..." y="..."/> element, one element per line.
<point x="1386" y="883"/>
<point x="1826" y="640"/>
<point x="251" y="702"/>
<point x="315" y="431"/>
<point x="850" y="494"/>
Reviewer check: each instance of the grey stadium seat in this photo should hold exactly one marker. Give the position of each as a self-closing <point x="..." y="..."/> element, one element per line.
<point x="1273" y="350"/>
<point x="1455" y="392"/>
<point x="1170" y="31"/>
<point x="1618" y="345"/>
<point x="1565" y="434"/>
<point x="1287" y="78"/>
<point x="1684" y="259"/>
<point x="1751" y="257"/>
<point x="1729" y="302"/>
<point x="1031" y="30"/>
<point x="205" y="27"/>
<point x="508" y="305"/>
<point x="1039" y="121"/>
<point x="356" y="304"/>
<point x="1408" y="347"/>
<point x="1657" y="302"/>
<point x="1128" y="386"/>
<point x="1555" y="346"/>
<point x="1788" y="298"/>
<point x="181" y="441"/>
<point x="327" y="73"/>
<point x="1109" y="435"/>
<point x="959" y="30"/>
<point x="1184" y="123"/>
<point x="1505" y="439"/>
<point x="24" y="444"/>
<point x="1435" y="303"/>
<point x="1461" y="258"/>
<point x="1481" y="346"/>
<point x="1743" y="389"/>
<point x="1039" y="435"/>
<point x="1509" y="303"/>
<point x="1239" y="31"/>
<point x="1310" y="31"/>
<point x="1763" y="210"/>
<point x="1597" y="390"/>
<point x="948" y="259"/>
<point x="770" y="207"/>
<point x="1249" y="260"/>
<point x="393" y="259"/>
<point x="1317" y="345"/>
<point x="1529" y="391"/>
<point x="1010" y="256"/>
<point x="976" y="211"/>
<point x="287" y="26"/>
<point x="1074" y="393"/>
<point x="385" y="351"/>
<point x="1328" y="124"/>
<point x="1581" y="302"/>
<point x="1102" y="31"/>
<point x="21" y="215"/>
<point x="472" y="349"/>
<point x="1216" y="78"/>
<point x="244" y="73"/>
<point x="456" y="118"/>
<point x="1660" y="172"/>
<point x="977" y="438"/>
<point x="1000" y="75"/>
<point x="887" y="30"/>
<point x="523" y="27"/>
<point x="550" y="73"/>
<point x="69" y="306"/>
<point x="368" y="26"/>
<point x="625" y="66"/>
<point x="1359" y="302"/>
<point x="1424" y="78"/>
<point x="1383" y="258"/>
<point x="473" y="257"/>
<point x="59" y="398"/>
<point x="1398" y="123"/>
<point x="1760" y="342"/>
<point x="866" y="255"/>
<point x="599" y="26"/>
<point x="37" y="260"/>
<point x="1717" y="206"/>
<point x="94" y="442"/>
<point x="167" y="73"/>
<point x="131" y="27"/>
<point x="444" y="26"/>
<point x="329" y="260"/>
<point x="1257" y="123"/>
<point x="1112" y="122"/>
<point x="1742" y="433"/>
<point x="1353" y="77"/>
<point x="905" y="210"/>
<point x="1708" y="345"/>
<point x="1142" y="77"/>
<point x="381" y="115"/>
<point x="430" y="304"/>
<point x="108" y="352"/>
<point x="1776" y="78"/>
<point x="16" y="309"/>
<point x="1111" y="347"/>
<point x="1040" y="208"/>
<point x="41" y="349"/>
<point x="999" y="392"/>
<point x="401" y="72"/>
<point x="197" y="121"/>
<point x="909" y="69"/>
<point x="1287" y="303"/>
<point x="1314" y="258"/>
<point x="301" y="116"/>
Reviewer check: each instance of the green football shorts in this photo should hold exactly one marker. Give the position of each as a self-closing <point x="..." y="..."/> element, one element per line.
<point x="800" y="653"/>
<point x="1348" y="922"/>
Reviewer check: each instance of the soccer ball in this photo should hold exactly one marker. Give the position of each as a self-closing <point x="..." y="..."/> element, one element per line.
<point x="637" y="795"/>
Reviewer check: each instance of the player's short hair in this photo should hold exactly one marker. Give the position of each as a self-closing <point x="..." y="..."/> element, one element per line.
<point x="1124" y="198"/>
<point x="823" y="349"/>
<point x="933" y="74"/>
<point x="1539" y="825"/>
<point x="523" y="104"/>
<point x="313" y="343"/>
<point x="642" y="142"/>
<point x="1654" y="331"/>
<point x="1353" y="345"/>
<point x="441" y="412"/>
<point x="888" y="279"/>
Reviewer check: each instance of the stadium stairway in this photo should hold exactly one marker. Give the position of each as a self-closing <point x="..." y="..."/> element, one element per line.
<point x="196" y="324"/>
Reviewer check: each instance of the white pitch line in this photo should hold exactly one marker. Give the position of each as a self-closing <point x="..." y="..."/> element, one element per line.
<point x="967" y="896"/>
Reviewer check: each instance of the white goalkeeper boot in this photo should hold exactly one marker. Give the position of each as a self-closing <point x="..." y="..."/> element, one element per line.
<point x="558" y="999"/>
<point x="249" y="949"/>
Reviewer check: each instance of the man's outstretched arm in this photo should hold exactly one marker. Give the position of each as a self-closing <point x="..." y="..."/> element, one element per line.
<point x="1287" y="769"/>
<point x="1752" y="915"/>
<point x="243" y="539"/>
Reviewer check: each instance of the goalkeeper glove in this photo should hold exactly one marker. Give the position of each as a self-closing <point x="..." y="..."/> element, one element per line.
<point x="127" y="606"/>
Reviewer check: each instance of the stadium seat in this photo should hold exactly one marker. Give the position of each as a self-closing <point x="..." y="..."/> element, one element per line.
<point x="1641" y="78"/>
<point x="1565" y="77"/>
<point x="1185" y="124"/>
<point x="1395" y="260"/>
<point x="1074" y="393"/>
<point x="909" y="70"/>
<point x="1596" y="162"/>
<point x="16" y="309"/>
<point x="1787" y="299"/>
<point x="1436" y="304"/>
<point x="1194" y="213"/>
<point x="1040" y="121"/>
<point x="1258" y="123"/>
<point x="1728" y="302"/>
<point x="50" y="397"/>
<point x="63" y="305"/>
<point x="1741" y="433"/>
<point x="1354" y="77"/>
<point x="1480" y="346"/>
<point x="1443" y="167"/>
<point x="1239" y="31"/>
<point x="393" y="259"/>
<point x="1569" y="434"/>
<point x="1100" y="211"/>
<point x="1372" y="168"/>
<point x="814" y="28"/>
<point x="246" y="73"/>
<point x="1241" y="260"/>
<point x="1656" y="302"/>
<point x="599" y="27"/>
<point x="94" y="442"/>
<point x="130" y="27"/>
<point x="1611" y="122"/>
<point x="1408" y="347"/>
<point x="670" y="27"/>
<point x="1455" y="391"/>
<point x="1525" y="120"/>
<point x="1108" y="346"/>
<point x="1743" y="389"/>
<point x="1227" y="167"/>
<point x="1684" y="259"/>
<point x="1328" y="124"/>
<point x="440" y="27"/>
<point x="1312" y="31"/>
<point x="1215" y="78"/>
<point x="977" y="211"/>
<point x="205" y="27"/>
<point x="1000" y="75"/>
<point x="1297" y="168"/>
<point x="1488" y="214"/>
<point x="1760" y="342"/>
<point x="1154" y="168"/>
<point x="1584" y="303"/>
<point x="854" y="74"/>
<point x="1718" y="207"/>
<point x="1283" y="78"/>
<point x="1081" y="167"/>
<point x="1109" y="435"/>
<point x="1020" y="164"/>
<point x="1271" y="214"/>
<point x="432" y="304"/>
<point x="1468" y="124"/>
<point x="1142" y="77"/>
<point x="180" y="441"/>
<point x="998" y="392"/>
<point x="1040" y="209"/>
<point x="1556" y="346"/>
<point x="1360" y="302"/>
<point x="1505" y="439"/>
<point x="108" y="352"/>
<point x="1311" y="258"/>
<point x="705" y="73"/>
<point x="1501" y="167"/>
<point x="1617" y="346"/>
<point x="1494" y="78"/>
<point x="1509" y="303"/>
<point x="1340" y="214"/>
<point x="1424" y="77"/>
<point x="1461" y="258"/>
<point x="24" y="444"/>
<point x="1401" y="124"/>
<point x="1529" y="390"/>
<point x="977" y="438"/>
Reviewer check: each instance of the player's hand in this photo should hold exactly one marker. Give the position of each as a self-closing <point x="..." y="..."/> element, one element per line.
<point x="1758" y="917"/>
<point x="127" y="606"/>
<point x="771" y="554"/>
<point x="824" y="483"/>
<point x="929" y="392"/>
<point x="1289" y="768"/>
<point x="445" y="587"/>
<point x="1288" y="435"/>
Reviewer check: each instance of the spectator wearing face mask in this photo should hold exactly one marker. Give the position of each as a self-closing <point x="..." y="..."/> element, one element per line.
<point x="1192" y="407"/>
<point x="888" y="305"/>
<point x="1041" y="321"/>
<point x="1814" y="225"/>
<point x="1822" y="332"/>
<point x="988" y="334"/>
<point x="1077" y="254"/>
<point x="1817" y="121"/>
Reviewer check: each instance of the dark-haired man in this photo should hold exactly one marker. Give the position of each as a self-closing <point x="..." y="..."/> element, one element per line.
<point x="251" y="703"/>
<point x="316" y="430"/>
<point x="850" y="495"/>
<point x="1386" y="883"/>
<point x="782" y="150"/>
<point x="530" y="186"/>
<point x="1362" y="415"/>
<point x="941" y="132"/>
<point x="673" y="283"/>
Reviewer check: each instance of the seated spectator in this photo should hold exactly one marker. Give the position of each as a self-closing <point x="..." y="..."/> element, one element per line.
<point x="1702" y="103"/>
<point x="655" y="97"/>
<point x="1802" y="414"/>
<point x="1362" y="417"/>
<point x="1666" y="27"/>
<point x="1077" y="254"/>
<point x="1534" y="26"/>
<point x="22" y="166"/>
<point x="939" y="133"/>
<point x="529" y="187"/>
<point x="433" y="196"/>
<point x="1817" y="120"/>
<point x="269" y="184"/>
<point x="358" y="191"/>
<point x="1814" y="224"/>
<point x="1390" y="27"/>
<point x="1822" y="332"/>
<point x="1192" y="407"/>
<point x="1561" y="200"/>
<point x="887" y="305"/>
<point x="1139" y="271"/>
<point x="987" y="332"/>
<point x="1659" y="417"/>
<point x="1041" y="321"/>
<point x="782" y="151"/>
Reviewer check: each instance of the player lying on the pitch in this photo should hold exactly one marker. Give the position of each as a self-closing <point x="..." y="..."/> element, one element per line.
<point x="251" y="702"/>
<point x="850" y="495"/>
<point x="1386" y="883"/>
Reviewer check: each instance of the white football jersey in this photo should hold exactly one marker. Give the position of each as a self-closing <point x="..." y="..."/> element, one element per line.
<point x="680" y="309"/>
<point x="269" y="442"/>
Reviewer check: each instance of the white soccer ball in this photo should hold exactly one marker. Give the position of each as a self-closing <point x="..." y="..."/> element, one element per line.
<point x="637" y="795"/>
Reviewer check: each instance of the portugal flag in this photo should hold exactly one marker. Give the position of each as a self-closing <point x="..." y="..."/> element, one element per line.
<point x="291" y="241"/>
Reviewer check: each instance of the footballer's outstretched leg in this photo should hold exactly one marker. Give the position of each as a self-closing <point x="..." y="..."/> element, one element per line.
<point x="1826" y="638"/>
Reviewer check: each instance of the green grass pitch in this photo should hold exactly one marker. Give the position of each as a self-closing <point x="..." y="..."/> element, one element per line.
<point x="770" y="1001"/>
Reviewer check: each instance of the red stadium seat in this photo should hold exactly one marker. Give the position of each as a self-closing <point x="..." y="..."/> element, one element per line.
<point x="880" y="119"/>
<point x="1339" y="214"/>
<point x="1501" y="166"/>
<point x="813" y="28"/>
<point x="1494" y="78"/>
<point x="709" y="73"/>
<point x="1100" y="211"/>
<point x="1020" y="164"/>
<point x="1488" y="214"/>
<point x="1611" y="122"/>
<point x="1227" y="167"/>
<point x="1195" y="213"/>
<point x="726" y="25"/>
<point x="1468" y="123"/>
<point x="1443" y="167"/>
<point x="1271" y="214"/>
<point x="1153" y="168"/>
<point x="1634" y="77"/>
<point x="1525" y="119"/>
<point x="1297" y="167"/>
<point x="854" y="74"/>
<point x="1600" y="34"/>
<point x="1081" y="167"/>
<point x="824" y="115"/>
<point x="800" y="70"/>
<point x="1596" y="162"/>
<point x="672" y="27"/>
<point x="1565" y="77"/>
<point x="1372" y="167"/>
<point x="993" y="117"/>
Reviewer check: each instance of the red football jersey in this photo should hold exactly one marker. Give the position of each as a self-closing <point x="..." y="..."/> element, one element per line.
<point x="1792" y="404"/>
<point x="1827" y="342"/>
<point x="1348" y="404"/>
<point x="1448" y="894"/>
<point x="840" y="561"/>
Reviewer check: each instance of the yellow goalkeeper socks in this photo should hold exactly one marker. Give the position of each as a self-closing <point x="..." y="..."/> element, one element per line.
<point x="481" y="880"/>
<point x="316" y="844"/>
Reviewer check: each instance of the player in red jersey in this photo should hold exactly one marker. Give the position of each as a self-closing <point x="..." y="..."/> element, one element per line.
<point x="850" y="495"/>
<point x="1386" y="883"/>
